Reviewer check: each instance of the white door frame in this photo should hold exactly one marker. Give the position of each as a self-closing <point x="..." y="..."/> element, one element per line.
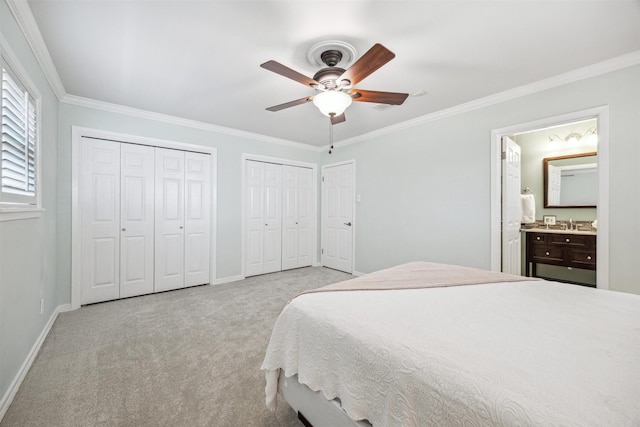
<point x="601" y="114"/>
<point x="354" y="222"/>
<point x="314" y="208"/>
<point x="77" y="133"/>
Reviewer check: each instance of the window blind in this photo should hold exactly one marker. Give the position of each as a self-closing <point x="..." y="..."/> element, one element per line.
<point x="19" y="135"/>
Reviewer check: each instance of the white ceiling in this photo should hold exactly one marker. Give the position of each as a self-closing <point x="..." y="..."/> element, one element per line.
<point x="200" y="60"/>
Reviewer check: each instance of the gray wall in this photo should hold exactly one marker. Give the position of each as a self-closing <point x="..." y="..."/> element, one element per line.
<point x="426" y="189"/>
<point x="28" y="247"/>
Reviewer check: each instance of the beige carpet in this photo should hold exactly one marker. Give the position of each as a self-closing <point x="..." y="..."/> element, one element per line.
<point x="183" y="358"/>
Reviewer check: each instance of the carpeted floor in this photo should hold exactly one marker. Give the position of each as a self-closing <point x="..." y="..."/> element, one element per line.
<point x="183" y="358"/>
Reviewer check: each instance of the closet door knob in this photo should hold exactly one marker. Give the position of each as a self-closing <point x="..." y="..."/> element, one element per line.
<point x="181" y="227"/>
<point x="567" y="240"/>
<point x="546" y="253"/>
<point x="588" y="256"/>
<point x="124" y="229"/>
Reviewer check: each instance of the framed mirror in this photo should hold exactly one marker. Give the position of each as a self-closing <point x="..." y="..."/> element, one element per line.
<point x="571" y="181"/>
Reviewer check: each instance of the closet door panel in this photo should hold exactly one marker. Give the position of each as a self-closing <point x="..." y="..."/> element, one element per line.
<point x="169" y="219"/>
<point x="289" y="217"/>
<point x="197" y="218"/>
<point x="100" y="206"/>
<point x="306" y="223"/>
<point x="137" y="220"/>
<point x="272" y="259"/>
<point x="254" y="235"/>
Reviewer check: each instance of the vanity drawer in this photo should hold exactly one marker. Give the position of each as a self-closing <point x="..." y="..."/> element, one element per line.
<point x="548" y="255"/>
<point x="538" y="238"/>
<point x="583" y="259"/>
<point x="573" y="240"/>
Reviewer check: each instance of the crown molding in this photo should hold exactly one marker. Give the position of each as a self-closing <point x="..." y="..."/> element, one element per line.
<point x="27" y="23"/>
<point x="165" y="118"/>
<point x="578" y="74"/>
<point x="23" y="15"/>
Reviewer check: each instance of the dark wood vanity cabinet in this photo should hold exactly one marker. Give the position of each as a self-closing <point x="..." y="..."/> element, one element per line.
<point x="567" y="250"/>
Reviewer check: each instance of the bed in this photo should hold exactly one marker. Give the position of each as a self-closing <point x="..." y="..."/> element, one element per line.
<point x="426" y="344"/>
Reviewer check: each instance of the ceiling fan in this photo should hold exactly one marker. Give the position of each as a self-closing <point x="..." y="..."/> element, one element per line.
<point x="336" y="86"/>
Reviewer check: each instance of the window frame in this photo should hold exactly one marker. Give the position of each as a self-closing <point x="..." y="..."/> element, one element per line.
<point x="14" y="206"/>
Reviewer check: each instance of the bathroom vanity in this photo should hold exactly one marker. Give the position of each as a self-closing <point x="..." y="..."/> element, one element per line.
<point x="567" y="248"/>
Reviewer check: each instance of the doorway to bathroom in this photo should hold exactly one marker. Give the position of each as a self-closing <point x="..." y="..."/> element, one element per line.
<point x="566" y="142"/>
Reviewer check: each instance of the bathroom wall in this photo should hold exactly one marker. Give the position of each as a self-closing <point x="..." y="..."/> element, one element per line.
<point x="535" y="147"/>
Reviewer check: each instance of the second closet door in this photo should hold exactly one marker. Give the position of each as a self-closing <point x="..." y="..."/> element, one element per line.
<point x="136" y="220"/>
<point x="264" y="218"/>
<point x="182" y="218"/>
<point x="169" y="227"/>
<point x="298" y="217"/>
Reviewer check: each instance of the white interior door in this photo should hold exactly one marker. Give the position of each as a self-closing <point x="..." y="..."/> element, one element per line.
<point x="511" y="207"/>
<point x="197" y="218"/>
<point x="306" y="216"/>
<point x="263" y="244"/>
<point x="289" y="217"/>
<point x="296" y="216"/>
<point x="254" y="235"/>
<point x="338" y="185"/>
<point x="169" y="218"/>
<point x="272" y="254"/>
<point x="136" y="219"/>
<point x="100" y="230"/>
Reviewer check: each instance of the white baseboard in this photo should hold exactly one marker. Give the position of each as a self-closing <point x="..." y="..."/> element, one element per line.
<point x="26" y="365"/>
<point x="358" y="273"/>
<point x="228" y="279"/>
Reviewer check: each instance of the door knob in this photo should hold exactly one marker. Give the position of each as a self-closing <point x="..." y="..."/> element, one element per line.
<point x="124" y="229"/>
<point x="348" y="223"/>
<point x="181" y="227"/>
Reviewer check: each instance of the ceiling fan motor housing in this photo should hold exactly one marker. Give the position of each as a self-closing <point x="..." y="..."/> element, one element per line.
<point x="328" y="76"/>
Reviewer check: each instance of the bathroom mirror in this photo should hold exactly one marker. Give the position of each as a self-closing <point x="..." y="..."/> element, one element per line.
<point x="571" y="181"/>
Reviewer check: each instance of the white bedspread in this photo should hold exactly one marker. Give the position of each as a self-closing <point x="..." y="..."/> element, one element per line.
<point x="522" y="353"/>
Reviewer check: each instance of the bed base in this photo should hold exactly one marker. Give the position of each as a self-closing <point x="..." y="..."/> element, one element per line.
<point x="311" y="406"/>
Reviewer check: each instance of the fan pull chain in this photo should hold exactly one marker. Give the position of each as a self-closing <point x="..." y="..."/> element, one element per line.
<point x="330" y="134"/>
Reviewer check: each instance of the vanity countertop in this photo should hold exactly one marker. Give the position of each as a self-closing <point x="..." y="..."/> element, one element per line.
<point x="557" y="231"/>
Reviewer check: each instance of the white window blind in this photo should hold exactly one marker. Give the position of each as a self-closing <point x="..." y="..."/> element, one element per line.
<point x="19" y="134"/>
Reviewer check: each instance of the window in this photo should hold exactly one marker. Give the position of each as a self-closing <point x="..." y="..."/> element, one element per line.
<point x="19" y="144"/>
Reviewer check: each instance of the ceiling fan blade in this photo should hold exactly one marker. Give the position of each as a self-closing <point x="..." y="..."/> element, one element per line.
<point x="375" y="58"/>
<point x="285" y="71"/>
<point x="392" y="98"/>
<point x="338" y="119"/>
<point x="290" y="104"/>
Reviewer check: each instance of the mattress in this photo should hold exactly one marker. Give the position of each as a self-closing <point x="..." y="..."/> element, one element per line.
<point x="508" y="353"/>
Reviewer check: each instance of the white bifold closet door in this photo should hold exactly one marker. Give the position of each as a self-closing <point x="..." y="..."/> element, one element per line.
<point x="297" y="230"/>
<point x="136" y="220"/>
<point x="146" y="215"/>
<point x="182" y="212"/>
<point x="117" y="222"/>
<point x="264" y="218"/>
<point x="100" y="204"/>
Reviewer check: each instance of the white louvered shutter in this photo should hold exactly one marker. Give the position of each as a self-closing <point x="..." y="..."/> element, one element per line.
<point x="19" y="133"/>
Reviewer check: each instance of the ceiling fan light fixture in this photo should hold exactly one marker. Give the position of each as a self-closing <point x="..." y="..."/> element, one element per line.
<point x="332" y="102"/>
